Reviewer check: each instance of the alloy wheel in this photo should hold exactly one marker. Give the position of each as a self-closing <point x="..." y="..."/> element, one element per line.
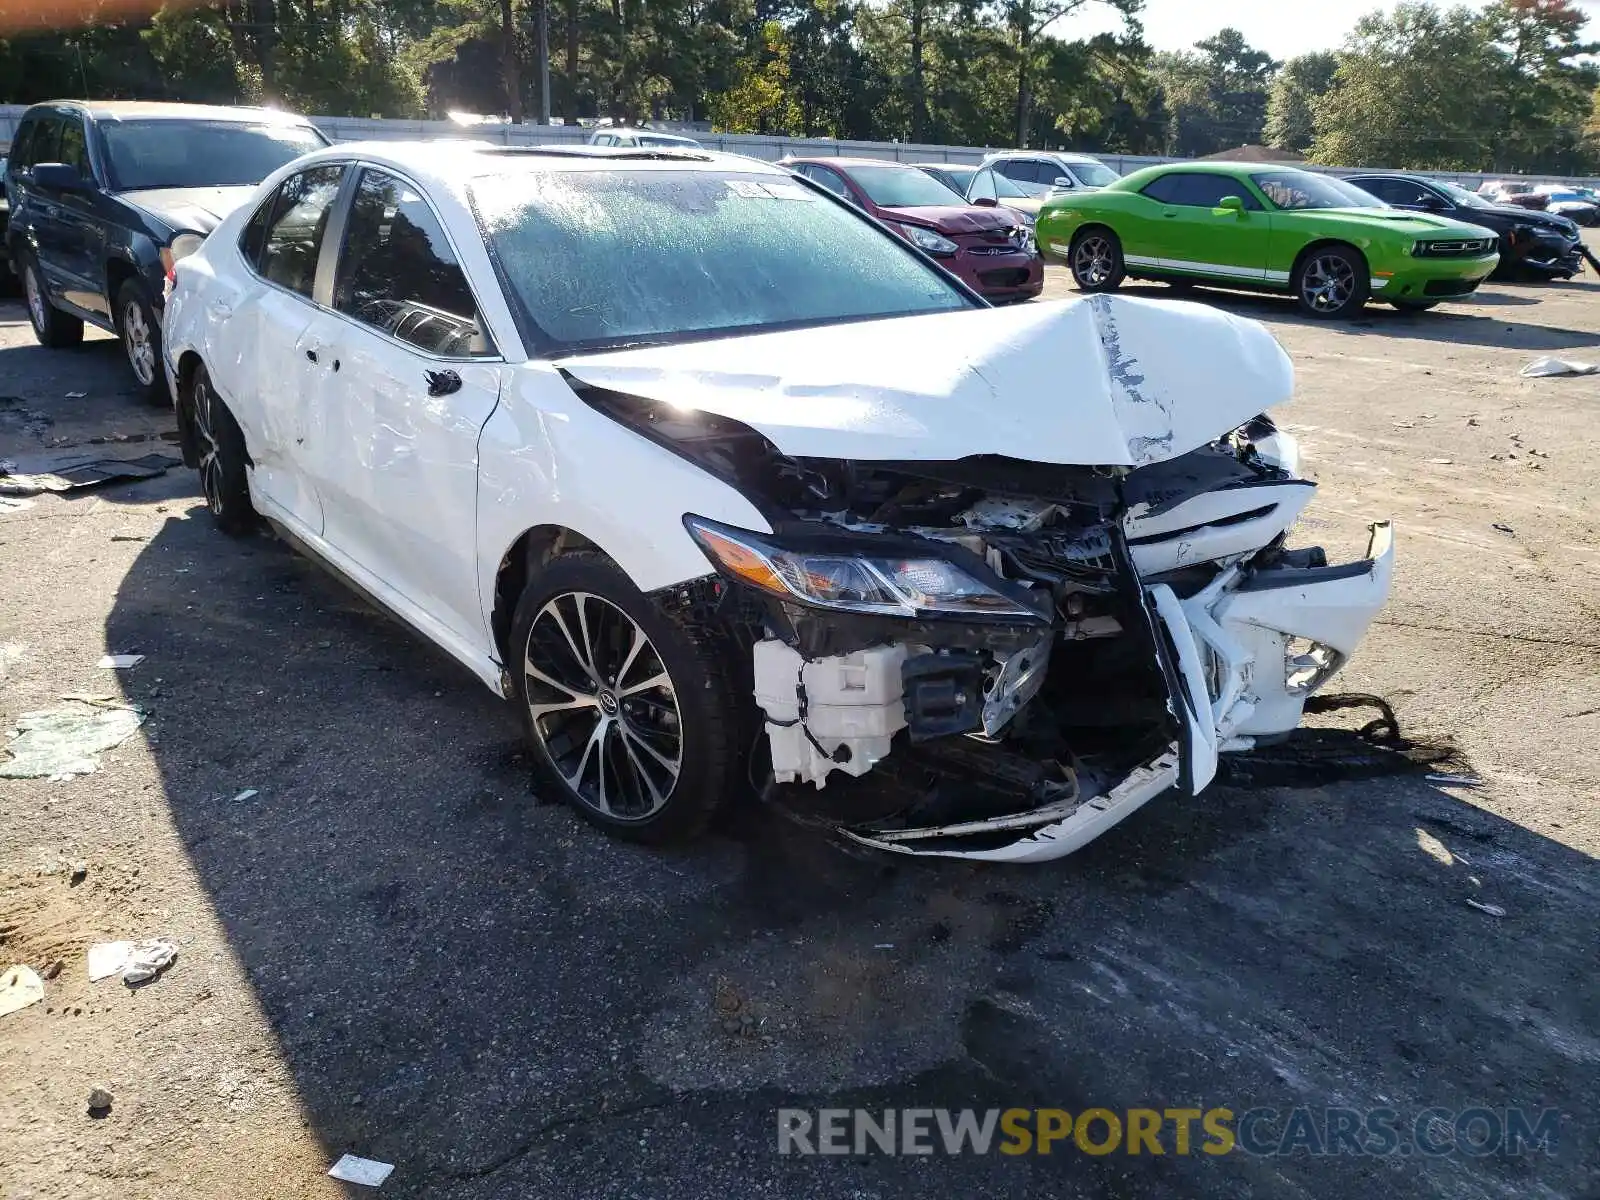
<point x="1093" y="262"/>
<point x="138" y="342"/>
<point x="30" y="284"/>
<point x="205" y="428"/>
<point x="1327" y="283"/>
<point x="603" y="706"/>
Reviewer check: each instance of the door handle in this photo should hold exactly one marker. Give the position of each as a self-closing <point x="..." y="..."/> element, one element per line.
<point x="443" y="383"/>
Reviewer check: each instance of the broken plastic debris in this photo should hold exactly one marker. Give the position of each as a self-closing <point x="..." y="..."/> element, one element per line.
<point x="119" y="662"/>
<point x="1502" y="527"/>
<point x="19" y="987"/>
<point x="1456" y="780"/>
<point x="884" y="946"/>
<point x="70" y="470"/>
<point x="13" y="504"/>
<point x="149" y="958"/>
<point x="1494" y="910"/>
<point x="62" y="742"/>
<point x="246" y="795"/>
<point x="353" y="1169"/>
<point x="1543" y="368"/>
<point x="76" y="395"/>
<point x="108" y="958"/>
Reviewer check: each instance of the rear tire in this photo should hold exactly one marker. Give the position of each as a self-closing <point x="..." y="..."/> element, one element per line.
<point x="630" y="710"/>
<point x="219" y="446"/>
<point x="140" y="334"/>
<point x="1095" y="260"/>
<point x="1331" y="282"/>
<point x="52" y="327"/>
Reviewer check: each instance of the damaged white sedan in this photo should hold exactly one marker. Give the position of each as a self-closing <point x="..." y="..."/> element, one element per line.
<point x="721" y="482"/>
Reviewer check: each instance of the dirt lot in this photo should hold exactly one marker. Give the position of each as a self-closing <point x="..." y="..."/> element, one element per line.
<point x="391" y="948"/>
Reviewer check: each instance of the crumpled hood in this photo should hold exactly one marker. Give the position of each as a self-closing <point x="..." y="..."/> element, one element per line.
<point x="1101" y="381"/>
<point x="952" y="218"/>
<point x="199" y="209"/>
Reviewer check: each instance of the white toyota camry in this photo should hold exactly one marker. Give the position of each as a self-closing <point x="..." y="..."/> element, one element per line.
<point x="723" y="483"/>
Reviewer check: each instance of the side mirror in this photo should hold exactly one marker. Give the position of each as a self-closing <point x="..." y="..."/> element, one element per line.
<point x="58" y="177"/>
<point x="1233" y="205"/>
<point x="1062" y="181"/>
<point x="987" y="202"/>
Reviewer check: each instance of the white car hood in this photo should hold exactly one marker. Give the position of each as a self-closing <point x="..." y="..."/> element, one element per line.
<point x="1098" y="381"/>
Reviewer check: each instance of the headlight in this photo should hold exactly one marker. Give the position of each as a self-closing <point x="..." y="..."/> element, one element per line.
<point x="1272" y="445"/>
<point x="929" y="240"/>
<point x="179" y="249"/>
<point x="1024" y="237"/>
<point x="890" y="586"/>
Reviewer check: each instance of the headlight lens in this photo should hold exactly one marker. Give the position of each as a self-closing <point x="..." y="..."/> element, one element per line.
<point x="930" y="241"/>
<point x="891" y="586"/>
<point x="179" y="249"/>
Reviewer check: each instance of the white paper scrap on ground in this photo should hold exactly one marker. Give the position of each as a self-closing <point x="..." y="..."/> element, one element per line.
<point x="20" y="986"/>
<point x="108" y="958"/>
<point x="353" y="1169"/>
<point x="118" y="662"/>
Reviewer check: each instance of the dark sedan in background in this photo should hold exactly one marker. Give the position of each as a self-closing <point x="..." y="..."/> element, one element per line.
<point x="1536" y="244"/>
<point x="989" y="249"/>
<point x="106" y="197"/>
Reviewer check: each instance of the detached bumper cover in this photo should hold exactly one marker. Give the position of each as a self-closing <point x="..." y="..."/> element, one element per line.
<point x="1230" y="642"/>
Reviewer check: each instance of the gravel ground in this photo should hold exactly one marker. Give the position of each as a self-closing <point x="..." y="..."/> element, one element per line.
<point x="390" y="947"/>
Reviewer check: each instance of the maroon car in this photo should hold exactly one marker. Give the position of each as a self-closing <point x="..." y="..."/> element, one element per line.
<point x="991" y="250"/>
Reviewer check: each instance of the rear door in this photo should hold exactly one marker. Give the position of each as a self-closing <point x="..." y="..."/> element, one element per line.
<point x="1194" y="238"/>
<point x="413" y="379"/>
<point x="37" y="210"/>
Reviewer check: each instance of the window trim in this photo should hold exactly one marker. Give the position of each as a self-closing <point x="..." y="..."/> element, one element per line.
<point x="339" y="223"/>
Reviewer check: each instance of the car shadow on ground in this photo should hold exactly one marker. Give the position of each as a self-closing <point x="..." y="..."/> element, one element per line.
<point x="479" y="988"/>
<point x="1450" y="322"/>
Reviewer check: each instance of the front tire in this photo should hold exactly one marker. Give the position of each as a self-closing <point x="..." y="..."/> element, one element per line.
<point x="51" y="327"/>
<point x="140" y="333"/>
<point x="219" y="446"/>
<point x="630" y="710"/>
<point x="1096" y="261"/>
<point x="1332" y="282"/>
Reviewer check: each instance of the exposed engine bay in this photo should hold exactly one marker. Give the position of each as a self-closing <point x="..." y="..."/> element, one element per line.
<point x="997" y="658"/>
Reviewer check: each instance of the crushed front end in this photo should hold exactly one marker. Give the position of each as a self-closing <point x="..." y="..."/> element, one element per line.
<point x="1000" y="659"/>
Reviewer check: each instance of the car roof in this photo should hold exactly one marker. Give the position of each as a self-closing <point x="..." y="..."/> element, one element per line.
<point x="446" y="161"/>
<point x="844" y="161"/>
<point x="147" y="110"/>
<point x="945" y="166"/>
<point x="1062" y="155"/>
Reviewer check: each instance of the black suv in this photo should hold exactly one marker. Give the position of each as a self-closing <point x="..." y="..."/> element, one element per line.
<point x="105" y="197"/>
<point x="1537" y="244"/>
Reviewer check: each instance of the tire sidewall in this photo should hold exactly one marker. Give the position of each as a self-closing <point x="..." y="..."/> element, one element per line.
<point x="702" y="697"/>
<point x="237" y="515"/>
<point x="135" y="292"/>
<point x="1119" y="271"/>
<point x="1358" y="297"/>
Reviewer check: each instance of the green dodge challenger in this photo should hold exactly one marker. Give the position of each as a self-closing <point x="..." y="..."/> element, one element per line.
<point x="1247" y="225"/>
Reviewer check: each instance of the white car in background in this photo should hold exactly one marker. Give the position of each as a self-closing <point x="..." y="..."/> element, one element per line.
<point x="695" y="464"/>
<point x="610" y="136"/>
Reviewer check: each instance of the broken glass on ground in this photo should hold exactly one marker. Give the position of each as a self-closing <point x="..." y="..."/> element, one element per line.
<point x="62" y="742"/>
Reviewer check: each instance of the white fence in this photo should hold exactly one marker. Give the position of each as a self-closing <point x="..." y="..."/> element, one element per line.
<point x="771" y="148"/>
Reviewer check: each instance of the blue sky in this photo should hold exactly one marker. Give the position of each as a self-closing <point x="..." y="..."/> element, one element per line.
<point x="1283" y="28"/>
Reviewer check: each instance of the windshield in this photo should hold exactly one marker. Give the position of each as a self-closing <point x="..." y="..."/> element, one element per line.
<point x="1006" y="188"/>
<point x="902" y="187"/>
<point x="1461" y="196"/>
<point x="658" y="139"/>
<point x="1094" y="174"/>
<point x="603" y="258"/>
<point x="1302" y="189"/>
<point x="183" y="154"/>
<point x="960" y="177"/>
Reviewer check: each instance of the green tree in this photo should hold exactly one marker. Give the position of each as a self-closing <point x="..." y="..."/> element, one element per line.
<point x="1297" y="87"/>
<point x="1414" y="88"/>
<point x="1545" y="88"/>
<point x="1215" y="95"/>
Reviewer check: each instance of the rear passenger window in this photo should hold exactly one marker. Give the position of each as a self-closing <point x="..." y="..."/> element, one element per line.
<point x="293" y="236"/>
<point x="20" y="147"/>
<point x="398" y="274"/>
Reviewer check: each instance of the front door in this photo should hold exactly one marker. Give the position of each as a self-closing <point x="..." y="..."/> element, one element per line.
<point x="411" y="379"/>
<point x="262" y="344"/>
<point x="1194" y="238"/>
